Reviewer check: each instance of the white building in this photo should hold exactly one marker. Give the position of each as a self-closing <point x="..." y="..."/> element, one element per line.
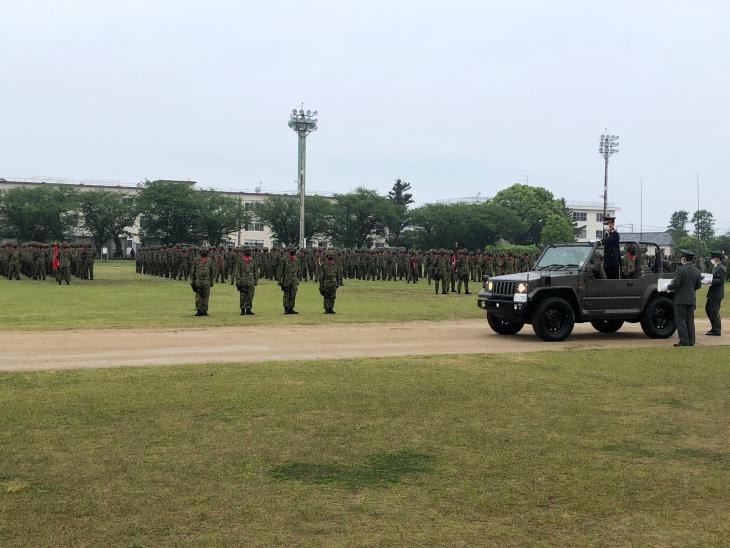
<point x="588" y="217"/>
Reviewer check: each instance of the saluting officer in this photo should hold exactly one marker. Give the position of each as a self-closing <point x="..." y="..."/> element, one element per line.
<point x="611" y="252"/>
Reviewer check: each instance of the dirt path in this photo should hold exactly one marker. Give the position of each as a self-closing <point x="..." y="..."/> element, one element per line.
<point x="26" y="350"/>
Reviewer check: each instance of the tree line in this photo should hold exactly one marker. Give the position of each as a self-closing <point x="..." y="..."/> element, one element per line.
<point x="171" y="212"/>
<point x="703" y="231"/>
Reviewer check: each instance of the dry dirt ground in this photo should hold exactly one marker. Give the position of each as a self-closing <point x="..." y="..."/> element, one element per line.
<point x="136" y="347"/>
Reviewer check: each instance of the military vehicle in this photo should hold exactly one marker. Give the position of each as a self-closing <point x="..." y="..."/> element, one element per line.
<point x="567" y="285"/>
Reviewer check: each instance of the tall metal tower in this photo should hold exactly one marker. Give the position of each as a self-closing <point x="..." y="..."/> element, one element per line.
<point x="303" y="123"/>
<point x="607" y="148"/>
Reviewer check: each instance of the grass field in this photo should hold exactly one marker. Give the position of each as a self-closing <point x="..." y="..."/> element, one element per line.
<point x="120" y="298"/>
<point x="631" y="448"/>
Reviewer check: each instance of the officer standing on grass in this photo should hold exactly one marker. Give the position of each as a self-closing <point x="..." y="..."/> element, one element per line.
<point x="687" y="280"/>
<point x="715" y="293"/>
<point x="202" y="277"/>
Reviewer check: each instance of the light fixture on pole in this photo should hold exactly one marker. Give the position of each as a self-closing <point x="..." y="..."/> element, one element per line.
<point x="303" y="123"/>
<point x="607" y="148"/>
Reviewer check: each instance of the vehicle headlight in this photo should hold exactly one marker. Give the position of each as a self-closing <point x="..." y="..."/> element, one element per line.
<point x="522" y="287"/>
<point x="490" y="286"/>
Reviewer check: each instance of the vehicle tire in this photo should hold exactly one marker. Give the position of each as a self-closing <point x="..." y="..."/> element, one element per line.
<point x="504" y="327"/>
<point x="607" y="326"/>
<point x="657" y="320"/>
<point x="553" y="319"/>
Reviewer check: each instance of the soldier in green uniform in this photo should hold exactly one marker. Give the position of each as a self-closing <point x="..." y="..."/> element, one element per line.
<point x="64" y="265"/>
<point x="443" y="273"/>
<point x="202" y="277"/>
<point x="245" y="275"/>
<point x="288" y="276"/>
<point x="462" y="270"/>
<point x="329" y="281"/>
<point x="628" y="263"/>
<point x="13" y="263"/>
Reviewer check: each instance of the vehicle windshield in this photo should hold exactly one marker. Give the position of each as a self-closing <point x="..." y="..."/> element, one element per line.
<point x="564" y="256"/>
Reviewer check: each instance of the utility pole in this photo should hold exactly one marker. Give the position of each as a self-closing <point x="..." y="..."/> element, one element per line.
<point x="608" y="147"/>
<point x="303" y="123"/>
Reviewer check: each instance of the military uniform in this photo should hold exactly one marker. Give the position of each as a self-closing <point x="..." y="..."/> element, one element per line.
<point x="715" y="295"/>
<point x="611" y="251"/>
<point x="202" y="277"/>
<point x="245" y="275"/>
<point x="329" y="281"/>
<point x="288" y="276"/>
<point x="685" y="283"/>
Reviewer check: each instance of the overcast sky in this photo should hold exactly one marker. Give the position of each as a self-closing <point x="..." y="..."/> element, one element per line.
<point x="458" y="98"/>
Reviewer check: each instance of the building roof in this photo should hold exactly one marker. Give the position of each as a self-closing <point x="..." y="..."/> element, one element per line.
<point x="658" y="238"/>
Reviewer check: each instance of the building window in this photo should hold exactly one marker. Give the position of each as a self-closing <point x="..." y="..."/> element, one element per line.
<point x="599" y="217"/>
<point x="581" y="234"/>
<point x="579" y="216"/>
<point x="255" y="225"/>
<point x="599" y="234"/>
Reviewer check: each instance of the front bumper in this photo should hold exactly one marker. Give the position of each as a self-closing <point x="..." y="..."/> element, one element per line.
<point x="502" y="306"/>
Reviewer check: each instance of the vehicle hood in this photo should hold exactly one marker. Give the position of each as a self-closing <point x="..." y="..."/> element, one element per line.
<point x="535" y="275"/>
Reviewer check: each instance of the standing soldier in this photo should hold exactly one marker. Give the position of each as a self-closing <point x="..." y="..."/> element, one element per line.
<point x="64" y="265"/>
<point x="288" y="276"/>
<point x="685" y="283"/>
<point x="443" y="273"/>
<point x="202" y="277"/>
<point x="246" y="278"/>
<point x="329" y="281"/>
<point x="13" y="263"/>
<point x="462" y="270"/>
<point x="413" y="268"/>
<point x="716" y="293"/>
<point x="611" y="251"/>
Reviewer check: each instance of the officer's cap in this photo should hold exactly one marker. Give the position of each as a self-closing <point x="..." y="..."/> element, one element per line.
<point x="608" y="219"/>
<point x="687" y="253"/>
<point x="718" y="254"/>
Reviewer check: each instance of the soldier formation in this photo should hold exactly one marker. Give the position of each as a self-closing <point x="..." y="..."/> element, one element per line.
<point x="40" y="261"/>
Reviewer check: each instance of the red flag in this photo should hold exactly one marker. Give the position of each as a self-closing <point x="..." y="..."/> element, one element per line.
<point x="55" y="257"/>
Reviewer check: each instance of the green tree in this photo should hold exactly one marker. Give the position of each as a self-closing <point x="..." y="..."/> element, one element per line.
<point x="721" y="243"/>
<point x="39" y="213"/>
<point x="678" y="224"/>
<point x="281" y="215"/>
<point x="219" y="215"/>
<point x="170" y="212"/>
<point x="105" y="214"/>
<point x="534" y="205"/>
<point x="400" y="198"/>
<point x="471" y="225"/>
<point x="557" y="229"/>
<point x="704" y="225"/>
<point x="360" y="216"/>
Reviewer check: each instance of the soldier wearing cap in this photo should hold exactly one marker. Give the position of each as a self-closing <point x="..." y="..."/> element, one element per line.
<point x="716" y="293"/>
<point x="611" y="251"/>
<point x="202" y="277"/>
<point x="329" y="281"/>
<point x="246" y="277"/>
<point x="685" y="283"/>
<point x="288" y="277"/>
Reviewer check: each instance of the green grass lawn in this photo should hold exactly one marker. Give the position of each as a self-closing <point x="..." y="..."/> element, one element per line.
<point x="570" y="448"/>
<point x="119" y="297"/>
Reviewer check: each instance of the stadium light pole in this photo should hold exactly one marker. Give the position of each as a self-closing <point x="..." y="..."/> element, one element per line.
<point x="608" y="147"/>
<point x="303" y="123"/>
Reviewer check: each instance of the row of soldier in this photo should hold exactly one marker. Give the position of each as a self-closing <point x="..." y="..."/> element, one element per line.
<point x="39" y="261"/>
<point x="391" y="264"/>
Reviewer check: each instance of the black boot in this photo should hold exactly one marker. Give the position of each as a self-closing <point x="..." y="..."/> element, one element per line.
<point x="292" y="311"/>
<point x="243" y="312"/>
<point x="332" y="310"/>
<point x="250" y="312"/>
<point x="198" y="313"/>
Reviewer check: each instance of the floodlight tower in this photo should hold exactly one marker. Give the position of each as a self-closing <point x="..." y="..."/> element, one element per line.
<point x="303" y="123"/>
<point x="608" y="147"/>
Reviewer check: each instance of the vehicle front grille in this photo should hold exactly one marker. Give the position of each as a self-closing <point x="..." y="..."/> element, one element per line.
<point x="504" y="288"/>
